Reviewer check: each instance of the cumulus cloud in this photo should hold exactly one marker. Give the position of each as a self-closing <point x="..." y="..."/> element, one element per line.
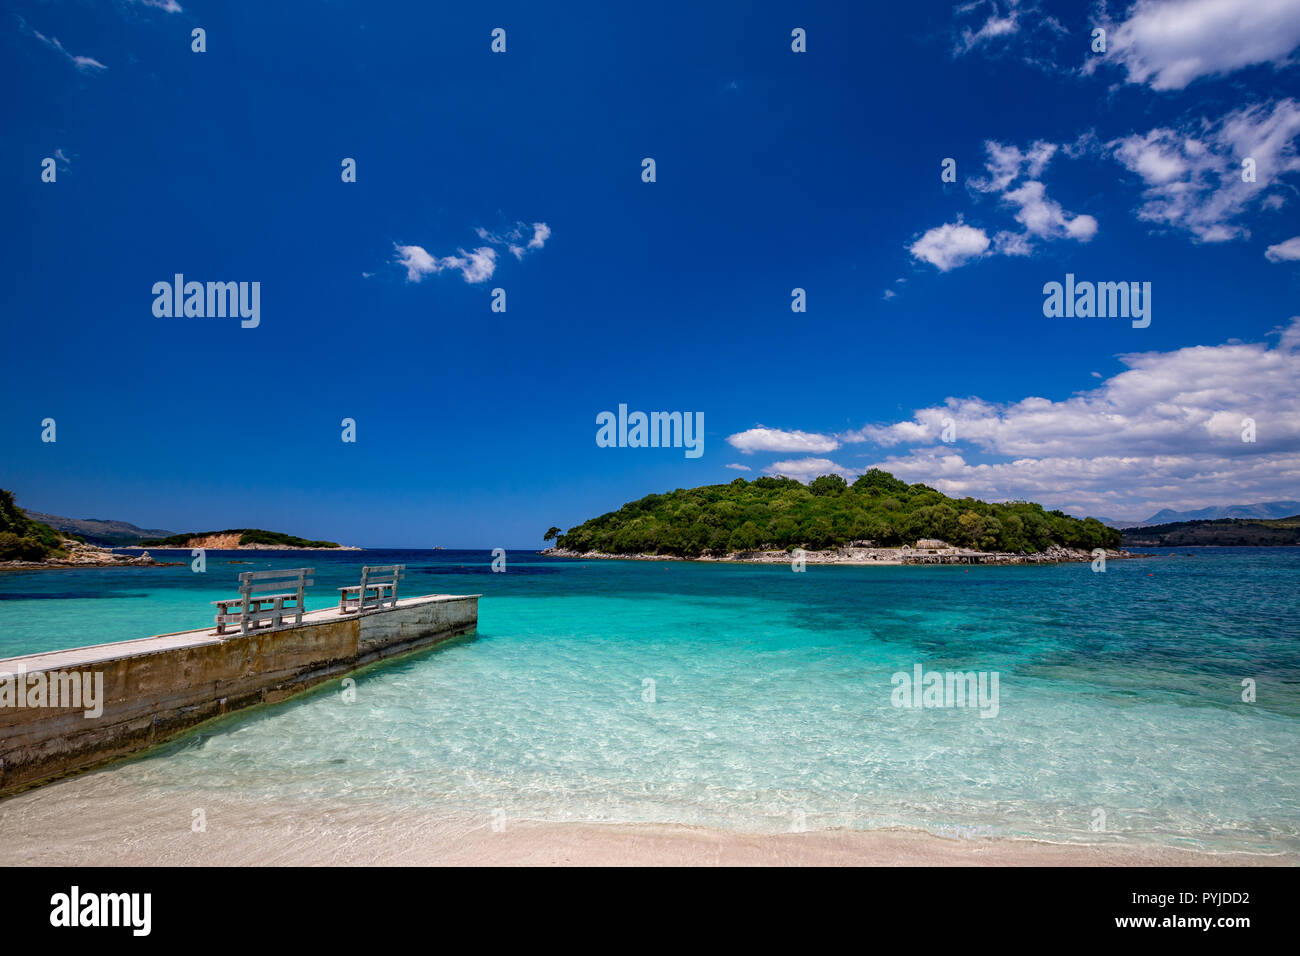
<point x="1044" y="217"/>
<point x="479" y="264"/>
<point x="1288" y="251"/>
<point x="951" y="245"/>
<point x="1006" y="163"/>
<point x="1014" y="176"/>
<point x="1167" y="44"/>
<point x="774" y="439"/>
<point x="541" y="232"/>
<point x="1165" y="432"/>
<point x="517" y="239"/>
<point x="806" y="469"/>
<point x="1192" y="175"/>
<point x="475" y="266"/>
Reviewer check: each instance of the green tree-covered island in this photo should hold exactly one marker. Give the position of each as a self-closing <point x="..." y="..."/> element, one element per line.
<point x="877" y="511"/>
<point x="234" y="538"/>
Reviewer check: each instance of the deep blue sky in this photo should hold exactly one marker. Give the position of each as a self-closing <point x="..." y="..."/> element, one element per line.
<point x="775" y="170"/>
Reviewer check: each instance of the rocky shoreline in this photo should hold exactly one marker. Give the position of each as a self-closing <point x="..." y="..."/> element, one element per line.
<point x="78" y="554"/>
<point x="867" y="556"/>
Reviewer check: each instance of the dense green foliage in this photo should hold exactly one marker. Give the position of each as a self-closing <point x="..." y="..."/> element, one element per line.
<point x="1222" y="532"/>
<point x="777" y="513"/>
<point x="21" y="538"/>
<point x="246" y="536"/>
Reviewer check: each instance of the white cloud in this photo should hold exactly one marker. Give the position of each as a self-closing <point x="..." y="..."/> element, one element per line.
<point x="513" y="237"/>
<point x="806" y="469"/>
<point x="1165" y="432"/>
<point x="1288" y="251"/>
<point x="1044" y="217"/>
<point x="990" y="23"/>
<point x="951" y="245"/>
<point x="1006" y="163"/>
<point x="774" y="439"/>
<point x="994" y="26"/>
<point x="82" y="63"/>
<point x="477" y="265"/>
<point x="735" y="467"/>
<point x="1169" y="43"/>
<point x="1192" y="175"/>
<point x="168" y="6"/>
<point x="1014" y="176"/>
<point x="889" y="294"/>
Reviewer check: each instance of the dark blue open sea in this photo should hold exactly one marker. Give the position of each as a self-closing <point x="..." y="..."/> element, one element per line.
<point x="751" y="697"/>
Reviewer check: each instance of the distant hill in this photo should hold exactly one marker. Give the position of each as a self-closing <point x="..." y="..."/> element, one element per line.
<point x="1265" y="509"/>
<point x="232" y="538"/>
<point x="113" y="534"/>
<point x="1222" y="532"/>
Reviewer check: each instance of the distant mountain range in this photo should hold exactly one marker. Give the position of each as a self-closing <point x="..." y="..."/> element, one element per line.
<point x="1221" y="532"/>
<point x="1263" y="510"/>
<point x="113" y="534"/>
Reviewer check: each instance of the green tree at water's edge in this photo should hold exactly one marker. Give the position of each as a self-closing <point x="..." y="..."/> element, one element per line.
<point x="551" y="533"/>
<point x="781" y="513"/>
<point x="21" y="538"/>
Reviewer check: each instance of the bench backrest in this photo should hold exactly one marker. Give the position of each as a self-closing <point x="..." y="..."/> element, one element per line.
<point x="373" y="575"/>
<point x="253" y="583"/>
<point x="382" y="573"/>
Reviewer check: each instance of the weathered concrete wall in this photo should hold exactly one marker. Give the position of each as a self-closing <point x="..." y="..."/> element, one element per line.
<point x="158" y="687"/>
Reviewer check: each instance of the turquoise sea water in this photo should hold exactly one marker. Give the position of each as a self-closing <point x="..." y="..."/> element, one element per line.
<point x="771" y="697"/>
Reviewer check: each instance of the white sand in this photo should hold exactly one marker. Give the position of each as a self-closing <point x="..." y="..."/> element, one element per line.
<point x="96" y="819"/>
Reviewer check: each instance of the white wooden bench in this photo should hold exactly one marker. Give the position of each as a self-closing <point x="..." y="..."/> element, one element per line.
<point x="249" y="612"/>
<point x="378" y="588"/>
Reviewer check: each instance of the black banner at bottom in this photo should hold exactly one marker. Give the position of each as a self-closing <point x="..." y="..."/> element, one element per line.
<point x="1220" y="906"/>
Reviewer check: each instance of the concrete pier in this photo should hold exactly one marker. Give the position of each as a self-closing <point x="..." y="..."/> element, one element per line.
<point x="158" y="687"/>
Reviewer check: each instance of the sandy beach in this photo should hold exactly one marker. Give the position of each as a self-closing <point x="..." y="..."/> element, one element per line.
<point x="95" y="820"/>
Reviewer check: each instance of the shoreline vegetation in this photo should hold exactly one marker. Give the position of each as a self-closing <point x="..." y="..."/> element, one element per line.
<point x="879" y="519"/>
<point x="30" y="545"/>
<point x="865" y="556"/>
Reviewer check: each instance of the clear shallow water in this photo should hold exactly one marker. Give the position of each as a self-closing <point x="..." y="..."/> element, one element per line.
<point x="772" y="694"/>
